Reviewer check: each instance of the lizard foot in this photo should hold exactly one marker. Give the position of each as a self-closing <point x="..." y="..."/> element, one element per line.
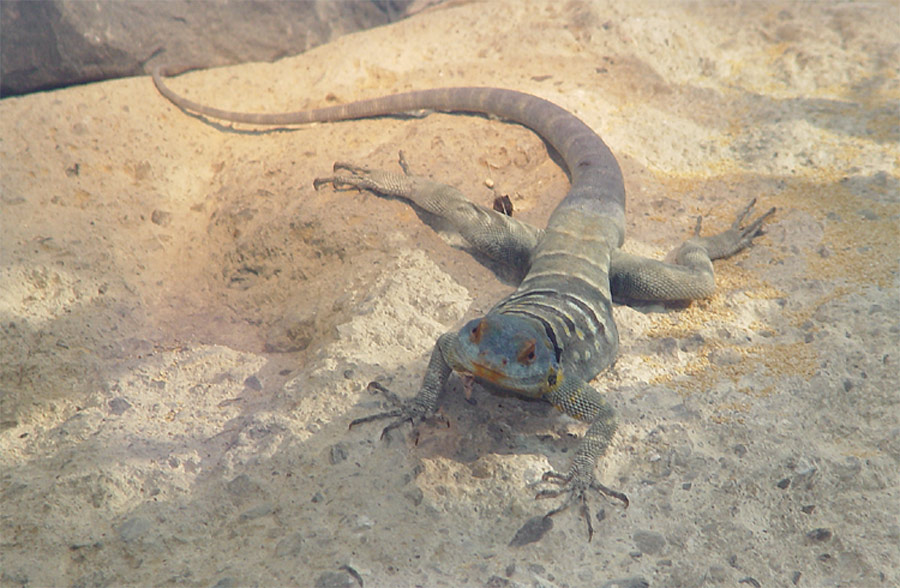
<point x="737" y="237"/>
<point x="406" y="411"/>
<point x="576" y="486"/>
<point x="349" y="176"/>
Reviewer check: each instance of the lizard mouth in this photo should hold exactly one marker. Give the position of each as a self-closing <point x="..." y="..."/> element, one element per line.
<point x="488" y="374"/>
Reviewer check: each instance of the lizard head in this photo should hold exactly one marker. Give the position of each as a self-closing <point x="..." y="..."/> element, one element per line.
<point x="510" y="352"/>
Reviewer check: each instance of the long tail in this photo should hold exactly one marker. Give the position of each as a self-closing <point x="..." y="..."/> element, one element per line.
<point x="596" y="178"/>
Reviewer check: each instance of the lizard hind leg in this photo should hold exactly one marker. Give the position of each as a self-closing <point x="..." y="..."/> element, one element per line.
<point x="349" y="176"/>
<point x="493" y="234"/>
<point x="691" y="276"/>
<point x="736" y="238"/>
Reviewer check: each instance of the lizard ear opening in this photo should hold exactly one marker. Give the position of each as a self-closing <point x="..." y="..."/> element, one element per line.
<point x="527" y="352"/>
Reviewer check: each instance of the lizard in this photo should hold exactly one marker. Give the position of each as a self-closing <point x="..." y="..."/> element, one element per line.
<point x="555" y="333"/>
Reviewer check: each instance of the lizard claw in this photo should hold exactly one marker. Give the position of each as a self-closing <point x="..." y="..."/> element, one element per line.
<point x="349" y="176"/>
<point x="746" y="234"/>
<point x="737" y="237"/>
<point x="406" y="411"/>
<point x="576" y="486"/>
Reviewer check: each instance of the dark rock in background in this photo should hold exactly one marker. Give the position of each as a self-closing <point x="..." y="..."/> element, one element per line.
<point x="53" y="44"/>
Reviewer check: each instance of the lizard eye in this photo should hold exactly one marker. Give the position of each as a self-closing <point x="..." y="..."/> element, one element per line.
<point x="527" y="353"/>
<point x="477" y="332"/>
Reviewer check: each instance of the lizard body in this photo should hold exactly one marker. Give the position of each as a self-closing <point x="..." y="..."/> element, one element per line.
<point x="555" y="333"/>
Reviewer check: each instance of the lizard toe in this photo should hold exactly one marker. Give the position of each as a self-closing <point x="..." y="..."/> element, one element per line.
<point x="576" y="487"/>
<point x="405" y="411"/>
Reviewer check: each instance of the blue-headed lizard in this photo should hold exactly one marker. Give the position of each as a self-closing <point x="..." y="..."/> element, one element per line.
<point x="555" y="333"/>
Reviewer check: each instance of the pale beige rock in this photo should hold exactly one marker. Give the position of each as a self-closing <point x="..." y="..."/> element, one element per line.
<point x="188" y="328"/>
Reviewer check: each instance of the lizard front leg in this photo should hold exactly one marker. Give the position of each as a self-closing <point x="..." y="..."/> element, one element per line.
<point x="424" y="404"/>
<point x="580" y="400"/>
<point x="490" y="232"/>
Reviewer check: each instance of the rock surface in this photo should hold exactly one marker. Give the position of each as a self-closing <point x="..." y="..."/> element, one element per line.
<point x="188" y="327"/>
<point x="54" y="44"/>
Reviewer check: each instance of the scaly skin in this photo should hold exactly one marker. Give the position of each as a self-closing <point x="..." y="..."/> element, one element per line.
<point x="551" y="336"/>
<point x="555" y="333"/>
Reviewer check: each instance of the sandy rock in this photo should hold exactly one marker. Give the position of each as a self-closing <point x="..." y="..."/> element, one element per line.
<point x="188" y="327"/>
